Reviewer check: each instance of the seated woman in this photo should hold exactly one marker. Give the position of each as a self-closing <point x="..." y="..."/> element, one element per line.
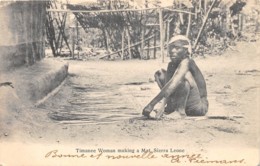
<point x="183" y="87"/>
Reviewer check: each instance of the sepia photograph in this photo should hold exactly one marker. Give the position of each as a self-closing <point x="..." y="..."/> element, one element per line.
<point x="129" y="82"/>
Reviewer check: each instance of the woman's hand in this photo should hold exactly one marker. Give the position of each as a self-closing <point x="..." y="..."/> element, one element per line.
<point x="147" y="110"/>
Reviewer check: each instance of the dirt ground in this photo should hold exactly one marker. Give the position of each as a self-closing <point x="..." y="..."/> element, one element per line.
<point x="100" y="104"/>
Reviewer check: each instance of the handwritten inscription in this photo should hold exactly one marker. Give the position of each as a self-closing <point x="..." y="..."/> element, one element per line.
<point x="148" y="155"/>
<point x="197" y="158"/>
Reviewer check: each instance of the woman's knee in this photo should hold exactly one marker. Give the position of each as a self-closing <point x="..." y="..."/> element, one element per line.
<point x="160" y="73"/>
<point x="160" y="77"/>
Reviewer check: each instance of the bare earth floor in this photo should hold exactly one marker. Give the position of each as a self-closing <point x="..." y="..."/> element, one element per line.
<point x="100" y="105"/>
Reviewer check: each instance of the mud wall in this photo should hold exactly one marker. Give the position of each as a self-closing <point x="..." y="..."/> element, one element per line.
<point x="22" y="33"/>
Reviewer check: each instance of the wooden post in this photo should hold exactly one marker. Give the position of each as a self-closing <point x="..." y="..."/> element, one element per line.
<point x="77" y="37"/>
<point x="107" y="40"/>
<point x="154" y="44"/>
<point x="64" y="37"/>
<point x="205" y="6"/>
<point x="77" y="32"/>
<point x="148" y="50"/>
<point x="123" y="44"/>
<point x="188" y="28"/>
<point x="168" y="36"/>
<point x="129" y="44"/>
<point x="73" y="42"/>
<point x="161" y="33"/>
<point x="228" y="21"/>
<point x="142" y="42"/>
<point x="61" y="30"/>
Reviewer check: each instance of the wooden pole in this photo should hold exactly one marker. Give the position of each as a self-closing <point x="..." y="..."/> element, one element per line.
<point x="123" y="44"/>
<point x="129" y="43"/>
<point x="168" y="34"/>
<point x="49" y="32"/>
<point x="154" y="44"/>
<point x="107" y="40"/>
<point x="73" y="42"/>
<point x="228" y="20"/>
<point x="151" y="47"/>
<point x="179" y="11"/>
<point x="161" y="33"/>
<point x="62" y="28"/>
<point x="64" y="35"/>
<point x="142" y="41"/>
<point x="148" y="50"/>
<point x="117" y="10"/>
<point x="188" y="28"/>
<point x="77" y="37"/>
<point x="205" y="6"/>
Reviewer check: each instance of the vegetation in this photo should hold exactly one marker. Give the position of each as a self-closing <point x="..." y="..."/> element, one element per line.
<point x="212" y="26"/>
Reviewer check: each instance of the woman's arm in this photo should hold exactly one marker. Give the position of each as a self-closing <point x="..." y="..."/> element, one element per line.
<point x="170" y="87"/>
<point x="198" y="77"/>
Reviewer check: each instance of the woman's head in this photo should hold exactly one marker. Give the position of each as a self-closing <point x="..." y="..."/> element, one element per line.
<point x="179" y="46"/>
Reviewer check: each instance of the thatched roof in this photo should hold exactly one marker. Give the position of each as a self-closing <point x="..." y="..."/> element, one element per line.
<point x="96" y="20"/>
